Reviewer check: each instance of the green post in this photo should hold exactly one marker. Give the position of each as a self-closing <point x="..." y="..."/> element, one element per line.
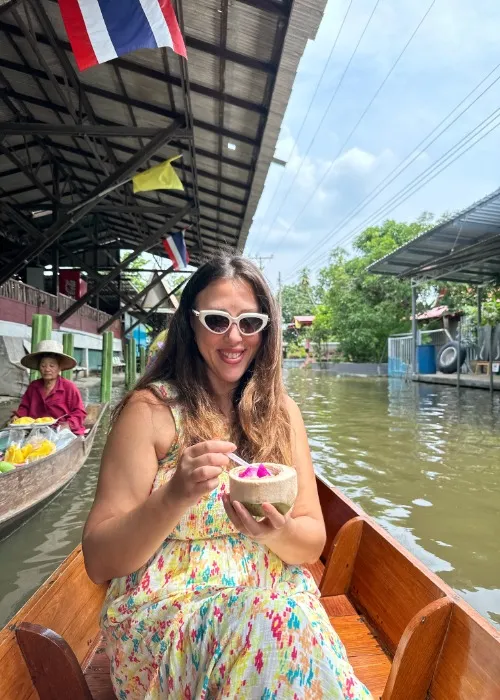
<point x="127" y="364"/>
<point x="107" y="366"/>
<point x="68" y="347"/>
<point x="142" y="359"/>
<point x="132" y="372"/>
<point x="41" y="329"/>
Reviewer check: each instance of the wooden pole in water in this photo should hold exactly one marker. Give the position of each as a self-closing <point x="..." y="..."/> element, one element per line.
<point x="41" y="329"/>
<point x="492" y="350"/>
<point x="414" y="326"/>
<point x="459" y="350"/>
<point x="107" y="366"/>
<point x="127" y="363"/>
<point x="142" y="359"/>
<point x="68" y="347"/>
<point x="132" y="373"/>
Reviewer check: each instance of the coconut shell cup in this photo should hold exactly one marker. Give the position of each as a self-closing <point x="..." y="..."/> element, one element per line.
<point x="279" y="489"/>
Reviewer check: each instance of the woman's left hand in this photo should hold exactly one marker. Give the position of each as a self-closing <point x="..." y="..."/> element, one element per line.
<point x="262" y="530"/>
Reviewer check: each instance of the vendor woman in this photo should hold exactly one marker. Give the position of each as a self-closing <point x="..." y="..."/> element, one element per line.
<point x="52" y="395"/>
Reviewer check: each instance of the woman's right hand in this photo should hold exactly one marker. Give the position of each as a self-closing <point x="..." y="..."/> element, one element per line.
<point x="198" y="470"/>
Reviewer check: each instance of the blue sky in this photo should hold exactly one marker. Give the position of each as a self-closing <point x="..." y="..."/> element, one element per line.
<point x="455" y="48"/>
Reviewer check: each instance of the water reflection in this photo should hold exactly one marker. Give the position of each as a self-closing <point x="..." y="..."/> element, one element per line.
<point x="423" y="460"/>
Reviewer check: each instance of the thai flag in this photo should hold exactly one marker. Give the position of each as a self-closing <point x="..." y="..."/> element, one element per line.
<point x="100" y="30"/>
<point x="175" y="247"/>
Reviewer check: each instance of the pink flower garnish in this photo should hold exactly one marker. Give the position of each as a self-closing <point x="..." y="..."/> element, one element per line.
<point x="252" y="472"/>
<point x="262" y="471"/>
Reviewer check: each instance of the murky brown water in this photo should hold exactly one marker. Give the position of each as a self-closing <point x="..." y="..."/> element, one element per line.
<point x="423" y="462"/>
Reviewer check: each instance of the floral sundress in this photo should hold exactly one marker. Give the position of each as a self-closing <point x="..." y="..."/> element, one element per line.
<point x="215" y="615"/>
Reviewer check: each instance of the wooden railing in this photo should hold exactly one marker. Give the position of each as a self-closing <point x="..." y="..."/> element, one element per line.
<point x="18" y="291"/>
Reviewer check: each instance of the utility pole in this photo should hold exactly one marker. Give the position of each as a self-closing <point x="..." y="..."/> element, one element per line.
<point x="279" y="293"/>
<point x="280" y="313"/>
<point x="260" y="258"/>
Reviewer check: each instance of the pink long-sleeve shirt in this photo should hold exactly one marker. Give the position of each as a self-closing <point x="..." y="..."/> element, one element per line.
<point x="64" y="398"/>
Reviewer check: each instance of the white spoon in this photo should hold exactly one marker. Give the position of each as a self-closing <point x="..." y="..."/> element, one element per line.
<point x="236" y="458"/>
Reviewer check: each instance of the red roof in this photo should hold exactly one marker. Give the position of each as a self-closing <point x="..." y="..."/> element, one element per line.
<point x="437" y="312"/>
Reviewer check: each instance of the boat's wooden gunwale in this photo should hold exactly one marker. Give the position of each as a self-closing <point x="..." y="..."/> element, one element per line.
<point x="434" y="578"/>
<point x="445" y="647"/>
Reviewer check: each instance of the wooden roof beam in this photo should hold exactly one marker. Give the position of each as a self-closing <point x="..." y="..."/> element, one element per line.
<point x="121" y="99"/>
<point x="191" y="42"/>
<point x="145" y="245"/>
<point x="65" y="222"/>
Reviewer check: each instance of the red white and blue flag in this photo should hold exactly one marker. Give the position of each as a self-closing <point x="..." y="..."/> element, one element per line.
<point x="175" y="247"/>
<point x="100" y="30"/>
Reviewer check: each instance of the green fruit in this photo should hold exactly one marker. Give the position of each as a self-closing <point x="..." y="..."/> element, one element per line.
<point x="257" y="511"/>
<point x="6" y="467"/>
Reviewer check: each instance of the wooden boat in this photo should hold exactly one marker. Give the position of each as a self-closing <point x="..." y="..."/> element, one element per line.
<point x="29" y="487"/>
<point x="408" y="635"/>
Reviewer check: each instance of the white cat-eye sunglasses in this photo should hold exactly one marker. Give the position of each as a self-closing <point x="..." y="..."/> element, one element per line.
<point x="220" y="321"/>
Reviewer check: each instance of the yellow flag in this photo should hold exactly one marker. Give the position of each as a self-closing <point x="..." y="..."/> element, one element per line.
<point x="161" y="177"/>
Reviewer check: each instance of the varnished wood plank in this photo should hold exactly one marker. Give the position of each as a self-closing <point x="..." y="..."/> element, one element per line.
<point x="43" y="649"/>
<point x="469" y="664"/>
<point x="337" y="510"/>
<point x="389" y="586"/>
<point x="96" y="655"/>
<point x="342" y="558"/>
<point x="373" y="670"/>
<point x="68" y="603"/>
<point x="100" y="686"/>
<point x="338" y="606"/>
<point x="99" y="663"/>
<point x="418" y="652"/>
<point x="356" y="636"/>
<point x="316" y="570"/>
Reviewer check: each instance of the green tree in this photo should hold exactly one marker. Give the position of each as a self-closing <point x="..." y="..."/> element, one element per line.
<point x="297" y="299"/>
<point x="321" y="331"/>
<point x="361" y="309"/>
<point x="138" y="279"/>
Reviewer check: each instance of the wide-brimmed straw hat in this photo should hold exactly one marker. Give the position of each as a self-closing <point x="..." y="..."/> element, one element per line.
<point x="48" y="347"/>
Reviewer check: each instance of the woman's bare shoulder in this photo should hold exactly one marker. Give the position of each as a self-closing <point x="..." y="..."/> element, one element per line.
<point x="147" y="404"/>
<point x="292" y="408"/>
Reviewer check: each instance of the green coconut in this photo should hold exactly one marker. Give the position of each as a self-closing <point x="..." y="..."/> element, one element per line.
<point x="6" y="467"/>
<point x="279" y="489"/>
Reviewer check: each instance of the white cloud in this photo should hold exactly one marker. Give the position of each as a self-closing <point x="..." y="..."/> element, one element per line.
<point x="453" y="51"/>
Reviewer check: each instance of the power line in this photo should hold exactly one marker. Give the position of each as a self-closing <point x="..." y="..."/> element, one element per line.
<point x="415" y="185"/>
<point x="404" y="165"/>
<point x="339" y="84"/>
<point x="260" y="258"/>
<point x="364" y="113"/>
<point x="256" y="248"/>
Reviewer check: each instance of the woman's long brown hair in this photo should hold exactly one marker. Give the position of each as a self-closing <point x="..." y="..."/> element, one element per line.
<point x="261" y="425"/>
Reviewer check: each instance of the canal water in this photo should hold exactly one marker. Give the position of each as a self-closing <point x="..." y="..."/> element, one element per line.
<point x="422" y="460"/>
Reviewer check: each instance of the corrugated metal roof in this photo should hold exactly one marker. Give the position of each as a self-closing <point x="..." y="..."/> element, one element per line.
<point x="466" y="248"/>
<point x="234" y="89"/>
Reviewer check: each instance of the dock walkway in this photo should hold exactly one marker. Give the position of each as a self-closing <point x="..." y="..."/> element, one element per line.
<point x="474" y="381"/>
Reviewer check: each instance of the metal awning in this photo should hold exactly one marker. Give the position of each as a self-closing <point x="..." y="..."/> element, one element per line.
<point x="66" y="136"/>
<point x="466" y="248"/>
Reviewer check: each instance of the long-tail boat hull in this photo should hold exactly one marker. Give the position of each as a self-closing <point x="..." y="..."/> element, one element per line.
<point x="408" y="635"/>
<point x="29" y="487"/>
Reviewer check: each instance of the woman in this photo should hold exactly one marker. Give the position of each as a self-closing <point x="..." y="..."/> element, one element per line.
<point x="204" y="601"/>
<point x="52" y="395"/>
